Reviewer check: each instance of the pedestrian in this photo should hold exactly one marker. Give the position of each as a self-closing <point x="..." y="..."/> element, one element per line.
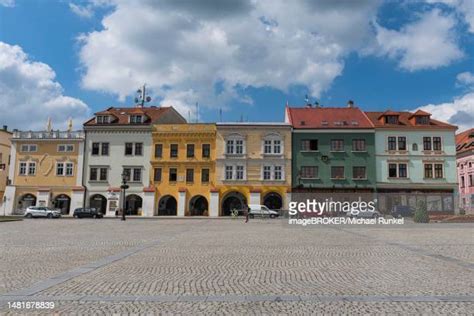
<point x="247" y="211"/>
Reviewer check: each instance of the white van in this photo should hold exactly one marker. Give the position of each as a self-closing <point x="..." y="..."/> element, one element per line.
<point x="256" y="210"/>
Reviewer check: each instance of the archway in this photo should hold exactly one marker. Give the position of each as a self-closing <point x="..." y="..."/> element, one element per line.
<point x="167" y="206"/>
<point x="198" y="206"/>
<point x="273" y="201"/>
<point x="26" y="201"/>
<point x="231" y="201"/>
<point x="99" y="202"/>
<point x="133" y="203"/>
<point x="62" y="202"/>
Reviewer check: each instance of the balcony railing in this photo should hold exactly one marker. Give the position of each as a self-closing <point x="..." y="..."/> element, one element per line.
<point x="48" y="135"/>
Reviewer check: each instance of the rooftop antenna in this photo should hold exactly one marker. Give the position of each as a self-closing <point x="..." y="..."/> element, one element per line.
<point x="189" y="116"/>
<point x="197" y="112"/>
<point x="220" y="114"/>
<point x="69" y="125"/>
<point x="49" y="125"/>
<point x="142" y="97"/>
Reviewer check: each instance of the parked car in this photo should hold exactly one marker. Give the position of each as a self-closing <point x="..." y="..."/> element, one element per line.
<point x="42" y="211"/>
<point x="366" y="214"/>
<point x="87" y="212"/>
<point x="402" y="211"/>
<point x="256" y="210"/>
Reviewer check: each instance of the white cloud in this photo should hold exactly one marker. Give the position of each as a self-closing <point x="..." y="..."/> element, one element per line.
<point x="183" y="49"/>
<point x="428" y="43"/>
<point x="7" y="3"/>
<point x="463" y="7"/>
<point x="460" y="112"/>
<point x="86" y="11"/>
<point x="465" y="79"/>
<point x="30" y="94"/>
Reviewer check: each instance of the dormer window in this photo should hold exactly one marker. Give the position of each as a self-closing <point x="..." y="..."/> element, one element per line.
<point x="391" y="119"/>
<point x="102" y="119"/>
<point x="136" y="119"/>
<point x="422" y="120"/>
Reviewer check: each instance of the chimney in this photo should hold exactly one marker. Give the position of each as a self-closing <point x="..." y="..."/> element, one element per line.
<point x="350" y="104"/>
<point x="5" y="128"/>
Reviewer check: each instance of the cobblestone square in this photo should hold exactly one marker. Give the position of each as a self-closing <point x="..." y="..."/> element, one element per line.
<point x="220" y="266"/>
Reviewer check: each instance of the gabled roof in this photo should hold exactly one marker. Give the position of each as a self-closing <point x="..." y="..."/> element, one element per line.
<point x="328" y="118"/>
<point x="152" y="115"/>
<point x="465" y="141"/>
<point x="420" y="113"/>
<point x="405" y="122"/>
<point x="389" y="112"/>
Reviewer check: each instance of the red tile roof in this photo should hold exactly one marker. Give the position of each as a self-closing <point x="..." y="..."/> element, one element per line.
<point x="328" y="118"/>
<point x="120" y="116"/>
<point x="405" y="122"/>
<point x="465" y="141"/>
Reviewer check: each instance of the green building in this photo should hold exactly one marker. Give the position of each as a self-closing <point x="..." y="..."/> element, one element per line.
<point x="333" y="150"/>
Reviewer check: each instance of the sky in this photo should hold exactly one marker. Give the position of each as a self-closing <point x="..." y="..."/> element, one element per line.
<point x="238" y="60"/>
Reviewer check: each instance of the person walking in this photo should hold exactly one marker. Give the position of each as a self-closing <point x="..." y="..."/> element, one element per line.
<point x="247" y="215"/>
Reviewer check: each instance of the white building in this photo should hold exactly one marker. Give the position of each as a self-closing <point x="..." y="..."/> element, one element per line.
<point x="118" y="140"/>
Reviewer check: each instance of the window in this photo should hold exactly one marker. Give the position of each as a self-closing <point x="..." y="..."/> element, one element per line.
<point x="128" y="149"/>
<point x="272" y="146"/>
<point x="438" y="171"/>
<point x="414" y="147"/>
<point x="391" y="119"/>
<point x="189" y="175"/>
<point x="102" y="119"/>
<point x="158" y="150"/>
<point x="428" y="171"/>
<point x="69" y="169"/>
<point x="136" y="119"/>
<point x="190" y="150"/>
<point x="337" y="172"/>
<point x="422" y="120"/>
<point x="436" y="143"/>
<point x="392" y="143"/>
<point x="359" y="173"/>
<point x="157" y="174"/>
<point x="397" y="170"/>
<point x="278" y="173"/>
<point x="174" y="150"/>
<point x="60" y="169"/>
<point x="462" y="182"/>
<point x="230" y="147"/>
<point x="337" y="145"/>
<point x="173" y="176"/>
<point x="426" y="143"/>
<point x="239" y="146"/>
<point x="239" y="174"/>
<point x="234" y="146"/>
<point x="309" y="145"/>
<point x="229" y="172"/>
<point x="277" y="146"/>
<point x="137" y="175"/>
<point x="206" y="150"/>
<point x="65" y="148"/>
<point x="358" y="145"/>
<point x="93" y="174"/>
<point x="402" y="143"/>
<point x="205" y="175"/>
<point x="32" y="168"/>
<point x="309" y="172"/>
<point x="267" y="172"/>
<point x="22" y="170"/>
<point x="29" y="148"/>
<point x="138" y="149"/>
<point x="103" y="174"/>
<point x="471" y="180"/>
<point x="267" y="147"/>
<point x="95" y="149"/>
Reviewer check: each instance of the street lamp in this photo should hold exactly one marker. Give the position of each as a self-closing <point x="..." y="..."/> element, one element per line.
<point x="124" y="186"/>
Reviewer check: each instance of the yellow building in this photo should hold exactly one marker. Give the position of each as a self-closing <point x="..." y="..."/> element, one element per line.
<point x="253" y="165"/>
<point x="46" y="170"/>
<point x="183" y="169"/>
<point x="5" y="136"/>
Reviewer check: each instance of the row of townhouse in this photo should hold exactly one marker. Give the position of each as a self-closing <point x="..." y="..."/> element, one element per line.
<point x="175" y="168"/>
<point x="465" y="167"/>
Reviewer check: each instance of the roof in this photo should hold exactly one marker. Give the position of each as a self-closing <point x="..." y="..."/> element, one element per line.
<point x="465" y="141"/>
<point x="328" y="118"/>
<point x="404" y="121"/>
<point x="120" y="116"/>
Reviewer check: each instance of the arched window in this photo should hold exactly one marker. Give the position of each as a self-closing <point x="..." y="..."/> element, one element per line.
<point x="235" y="145"/>
<point x="272" y="144"/>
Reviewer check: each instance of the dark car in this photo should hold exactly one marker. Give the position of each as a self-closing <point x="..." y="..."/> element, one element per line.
<point x="87" y="212"/>
<point x="402" y="211"/>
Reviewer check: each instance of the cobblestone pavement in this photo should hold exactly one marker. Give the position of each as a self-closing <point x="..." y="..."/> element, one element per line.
<point x="201" y="266"/>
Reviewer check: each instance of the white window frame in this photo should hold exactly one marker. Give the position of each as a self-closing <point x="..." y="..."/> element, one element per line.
<point x="25" y="165"/>
<point x="273" y="139"/>
<point x="69" y="165"/>
<point x="30" y="148"/>
<point x="234" y="171"/>
<point x="68" y="148"/>
<point x="132" y="173"/>
<point x="102" y="119"/>
<point x="133" y="119"/>
<point x="231" y="143"/>
<point x="272" y="172"/>
<point x="398" y="170"/>
<point x="397" y="146"/>
<point x="63" y="168"/>
<point x="30" y="164"/>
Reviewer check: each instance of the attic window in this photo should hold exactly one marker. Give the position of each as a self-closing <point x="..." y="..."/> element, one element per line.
<point x="102" y="119"/>
<point x="338" y="123"/>
<point x="136" y="119"/>
<point x="391" y="119"/>
<point x="422" y="120"/>
<point x="302" y="123"/>
<point x="324" y="123"/>
<point x="355" y="123"/>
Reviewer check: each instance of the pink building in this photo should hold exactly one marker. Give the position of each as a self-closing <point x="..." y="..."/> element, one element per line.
<point x="465" y="166"/>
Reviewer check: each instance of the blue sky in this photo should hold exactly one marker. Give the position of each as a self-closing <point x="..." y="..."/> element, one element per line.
<point x="71" y="58"/>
